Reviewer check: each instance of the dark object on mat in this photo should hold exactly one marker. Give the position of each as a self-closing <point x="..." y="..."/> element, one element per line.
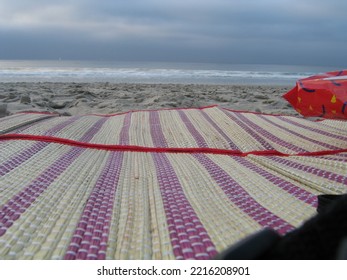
<point x="251" y="248"/>
<point x="326" y="200"/>
<point x="322" y="237"/>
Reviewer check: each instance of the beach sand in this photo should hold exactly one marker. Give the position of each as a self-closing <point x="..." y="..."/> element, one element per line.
<point x="108" y="98"/>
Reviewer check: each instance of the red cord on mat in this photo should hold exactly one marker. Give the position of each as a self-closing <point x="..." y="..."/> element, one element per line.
<point x="37" y="113"/>
<point x="132" y="148"/>
<point x="170" y="109"/>
<point x="150" y="110"/>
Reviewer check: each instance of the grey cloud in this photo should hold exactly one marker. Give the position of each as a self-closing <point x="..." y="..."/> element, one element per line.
<point x="253" y="31"/>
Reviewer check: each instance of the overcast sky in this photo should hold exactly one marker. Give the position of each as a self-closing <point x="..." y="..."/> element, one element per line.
<point x="301" y="32"/>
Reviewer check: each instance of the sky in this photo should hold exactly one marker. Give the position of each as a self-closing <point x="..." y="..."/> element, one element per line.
<point x="291" y="32"/>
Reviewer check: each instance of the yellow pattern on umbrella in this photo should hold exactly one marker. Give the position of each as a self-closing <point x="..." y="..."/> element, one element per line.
<point x="333" y="99"/>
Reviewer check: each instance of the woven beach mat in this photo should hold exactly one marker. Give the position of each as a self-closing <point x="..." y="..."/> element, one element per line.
<point x="164" y="184"/>
<point x="18" y="120"/>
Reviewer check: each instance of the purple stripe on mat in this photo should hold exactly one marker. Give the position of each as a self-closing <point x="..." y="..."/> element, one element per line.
<point x="221" y="132"/>
<point x="200" y="141"/>
<point x="93" y="130"/>
<point x="189" y="238"/>
<point x="54" y="130"/>
<point x="326" y="145"/>
<point x="333" y="158"/>
<point x="18" y="204"/>
<point x="251" y="132"/>
<point x="157" y="134"/>
<point x="290" y="188"/>
<point x="90" y="238"/>
<point x="320" y="131"/>
<point x="312" y="170"/>
<point x="337" y="158"/>
<point x="267" y="134"/>
<point x="11" y="211"/>
<point x="23" y="156"/>
<point x="32" y="124"/>
<point x="124" y="134"/>
<point x="242" y="199"/>
<point x="5" y="119"/>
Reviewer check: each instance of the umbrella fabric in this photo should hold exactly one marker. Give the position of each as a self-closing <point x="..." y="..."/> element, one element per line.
<point x="322" y="95"/>
<point x="166" y="184"/>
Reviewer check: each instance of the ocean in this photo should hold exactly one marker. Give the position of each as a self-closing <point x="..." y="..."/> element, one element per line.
<point x="153" y="72"/>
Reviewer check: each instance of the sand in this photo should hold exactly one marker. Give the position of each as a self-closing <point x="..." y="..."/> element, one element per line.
<point x="108" y="98"/>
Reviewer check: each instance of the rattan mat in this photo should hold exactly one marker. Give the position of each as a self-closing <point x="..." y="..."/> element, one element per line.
<point x="166" y="184"/>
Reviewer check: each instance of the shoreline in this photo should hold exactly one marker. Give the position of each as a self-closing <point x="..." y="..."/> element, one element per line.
<point x="76" y="98"/>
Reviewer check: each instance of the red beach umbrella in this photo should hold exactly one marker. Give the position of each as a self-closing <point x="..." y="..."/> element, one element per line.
<point x="323" y="95"/>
